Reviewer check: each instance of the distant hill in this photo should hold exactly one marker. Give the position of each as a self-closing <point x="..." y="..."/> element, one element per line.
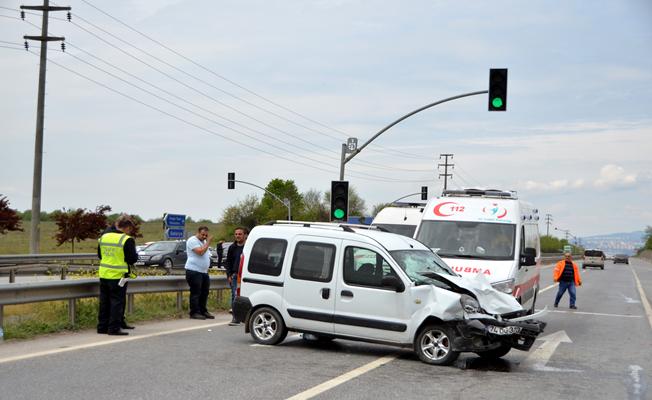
<point x="614" y="243"/>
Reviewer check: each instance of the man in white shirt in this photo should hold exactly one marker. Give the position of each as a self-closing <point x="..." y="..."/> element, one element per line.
<point x="199" y="260"/>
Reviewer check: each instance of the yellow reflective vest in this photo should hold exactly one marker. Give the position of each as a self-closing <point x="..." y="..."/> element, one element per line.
<point x="113" y="264"/>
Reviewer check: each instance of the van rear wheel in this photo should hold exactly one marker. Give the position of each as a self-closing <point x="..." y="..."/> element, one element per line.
<point x="434" y="345"/>
<point x="267" y="327"/>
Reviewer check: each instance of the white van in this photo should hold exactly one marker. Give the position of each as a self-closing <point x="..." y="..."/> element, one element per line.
<point x="488" y="232"/>
<point x="399" y="218"/>
<point x="341" y="281"/>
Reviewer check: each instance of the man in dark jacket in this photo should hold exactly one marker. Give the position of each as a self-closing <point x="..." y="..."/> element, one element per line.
<point x="232" y="264"/>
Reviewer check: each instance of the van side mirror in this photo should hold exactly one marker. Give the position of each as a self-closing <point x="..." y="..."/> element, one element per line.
<point x="393" y="282"/>
<point x="528" y="256"/>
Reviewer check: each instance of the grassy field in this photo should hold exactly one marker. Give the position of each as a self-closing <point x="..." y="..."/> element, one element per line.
<point x="18" y="242"/>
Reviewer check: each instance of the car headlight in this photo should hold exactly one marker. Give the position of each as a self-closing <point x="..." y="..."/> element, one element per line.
<point x="469" y="304"/>
<point x="156" y="258"/>
<point x="504" y="286"/>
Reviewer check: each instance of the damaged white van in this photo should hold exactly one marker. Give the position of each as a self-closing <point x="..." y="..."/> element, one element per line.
<point x="487" y="232"/>
<point x="355" y="283"/>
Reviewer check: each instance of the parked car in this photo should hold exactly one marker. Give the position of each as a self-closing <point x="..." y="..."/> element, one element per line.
<point x="142" y="247"/>
<point x="621" y="258"/>
<point x="593" y="258"/>
<point x="336" y="281"/>
<point x="167" y="254"/>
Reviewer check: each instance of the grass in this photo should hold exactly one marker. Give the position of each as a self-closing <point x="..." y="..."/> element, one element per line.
<point x="18" y="242"/>
<point x="25" y="321"/>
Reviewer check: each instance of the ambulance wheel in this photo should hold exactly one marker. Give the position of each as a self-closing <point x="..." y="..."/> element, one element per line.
<point x="495" y="353"/>
<point x="434" y="345"/>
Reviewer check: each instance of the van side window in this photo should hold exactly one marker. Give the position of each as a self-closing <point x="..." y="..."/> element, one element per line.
<point x="365" y="267"/>
<point x="267" y="256"/>
<point x="313" y="261"/>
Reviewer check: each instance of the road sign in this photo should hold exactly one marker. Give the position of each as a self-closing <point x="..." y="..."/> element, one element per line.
<point x="568" y="248"/>
<point x="351" y="145"/>
<point x="174" y="233"/>
<point x="174" y="220"/>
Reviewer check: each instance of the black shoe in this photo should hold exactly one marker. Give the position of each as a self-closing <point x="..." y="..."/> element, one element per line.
<point x="126" y="326"/>
<point x="197" y="316"/>
<point x="234" y="323"/>
<point x="573" y="307"/>
<point x="102" y="331"/>
<point x="556" y="305"/>
<point x="209" y="315"/>
<point x="118" y="333"/>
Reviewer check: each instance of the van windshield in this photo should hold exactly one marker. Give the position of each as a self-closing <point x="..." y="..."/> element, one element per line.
<point x="468" y="239"/>
<point x="419" y="264"/>
<point x="405" y="230"/>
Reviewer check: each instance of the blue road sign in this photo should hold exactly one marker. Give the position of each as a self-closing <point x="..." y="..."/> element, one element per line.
<point x="174" y="233"/>
<point x="174" y="220"/>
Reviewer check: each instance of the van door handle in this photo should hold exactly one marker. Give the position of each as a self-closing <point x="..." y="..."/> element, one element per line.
<point x="347" y="293"/>
<point x="325" y="293"/>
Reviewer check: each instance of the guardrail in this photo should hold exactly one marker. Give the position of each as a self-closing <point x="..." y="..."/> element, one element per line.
<point x="23" y="293"/>
<point x="17" y="262"/>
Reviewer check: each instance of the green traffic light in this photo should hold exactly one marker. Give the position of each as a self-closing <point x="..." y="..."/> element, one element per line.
<point x="497" y="102"/>
<point x="338" y="213"/>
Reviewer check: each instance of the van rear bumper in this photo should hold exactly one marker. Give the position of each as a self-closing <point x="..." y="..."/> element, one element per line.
<point x="241" y="308"/>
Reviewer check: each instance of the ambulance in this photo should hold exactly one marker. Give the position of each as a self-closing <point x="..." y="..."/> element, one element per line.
<point x="400" y="218"/>
<point x="488" y="232"/>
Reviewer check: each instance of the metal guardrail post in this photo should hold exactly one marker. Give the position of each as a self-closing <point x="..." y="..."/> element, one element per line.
<point x="179" y="301"/>
<point x="130" y="303"/>
<point x="12" y="275"/>
<point x="72" y="311"/>
<point x="2" y="325"/>
<point x="64" y="269"/>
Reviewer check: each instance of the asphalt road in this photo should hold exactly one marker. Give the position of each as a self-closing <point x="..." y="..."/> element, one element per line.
<point x="603" y="350"/>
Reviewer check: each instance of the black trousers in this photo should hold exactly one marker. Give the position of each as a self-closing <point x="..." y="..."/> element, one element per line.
<point x="112" y="305"/>
<point x="200" y="284"/>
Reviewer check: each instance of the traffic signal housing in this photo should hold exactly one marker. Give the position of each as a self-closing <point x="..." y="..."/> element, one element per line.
<point x="339" y="200"/>
<point x="498" y="89"/>
<point x="231" y="180"/>
<point x="424" y="192"/>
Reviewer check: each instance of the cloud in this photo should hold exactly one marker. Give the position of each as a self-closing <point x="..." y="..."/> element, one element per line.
<point x="554" y="186"/>
<point x="614" y="176"/>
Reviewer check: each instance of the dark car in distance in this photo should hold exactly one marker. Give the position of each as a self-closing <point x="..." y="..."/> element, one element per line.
<point x="167" y="254"/>
<point x="215" y="258"/>
<point x="621" y="258"/>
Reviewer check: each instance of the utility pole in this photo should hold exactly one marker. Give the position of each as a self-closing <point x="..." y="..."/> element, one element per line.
<point x="35" y="238"/>
<point x="446" y="165"/>
<point x="548" y="222"/>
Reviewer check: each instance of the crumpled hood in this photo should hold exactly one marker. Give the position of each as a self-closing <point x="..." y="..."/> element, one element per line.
<point x="490" y="299"/>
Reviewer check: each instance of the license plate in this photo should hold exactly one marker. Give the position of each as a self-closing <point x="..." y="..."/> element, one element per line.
<point x="504" y="330"/>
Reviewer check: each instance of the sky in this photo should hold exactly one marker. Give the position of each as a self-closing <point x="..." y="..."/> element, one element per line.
<point x="154" y="102"/>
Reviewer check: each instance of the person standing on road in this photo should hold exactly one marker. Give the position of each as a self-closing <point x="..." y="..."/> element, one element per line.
<point x="117" y="251"/>
<point x="199" y="260"/>
<point x="567" y="274"/>
<point x="232" y="264"/>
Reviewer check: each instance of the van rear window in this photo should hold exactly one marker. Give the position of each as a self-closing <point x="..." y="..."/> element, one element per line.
<point x="593" y="253"/>
<point x="267" y="256"/>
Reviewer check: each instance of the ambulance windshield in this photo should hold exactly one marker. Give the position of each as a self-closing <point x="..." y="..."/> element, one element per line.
<point x="464" y="239"/>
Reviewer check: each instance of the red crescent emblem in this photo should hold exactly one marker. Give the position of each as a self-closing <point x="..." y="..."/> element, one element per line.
<point x="439" y="206"/>
<point x="503" y="214"/>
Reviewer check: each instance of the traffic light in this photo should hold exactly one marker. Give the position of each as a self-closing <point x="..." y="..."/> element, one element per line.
<point x="498" y="89"/>
<point x="231" y="180"/>
<point x="424" y="192"/>
<point x="339" y="200"/>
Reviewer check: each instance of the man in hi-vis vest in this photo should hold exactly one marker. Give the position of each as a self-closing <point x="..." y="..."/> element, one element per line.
<point x="117" y="251"/>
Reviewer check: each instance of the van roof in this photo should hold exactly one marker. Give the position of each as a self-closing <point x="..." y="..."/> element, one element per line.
<point x="366" y="234"/>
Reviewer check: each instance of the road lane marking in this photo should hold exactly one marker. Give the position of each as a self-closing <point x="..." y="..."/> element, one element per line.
<point x="121" y="339"/>
<point x="538" y="359"/>
<point x="594" y="313"/>
<point x="312" y="392"/>
<point x="646" y="303"/>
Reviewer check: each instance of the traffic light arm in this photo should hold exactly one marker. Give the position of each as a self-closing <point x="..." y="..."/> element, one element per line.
<point x="407" y="195"/>
<point x="287" y="204"/>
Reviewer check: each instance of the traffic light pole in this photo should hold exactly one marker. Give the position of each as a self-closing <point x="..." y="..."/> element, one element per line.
<point x="286" y="202"/>
<point x="345" y="159"/>
<point x="407" y="195"/>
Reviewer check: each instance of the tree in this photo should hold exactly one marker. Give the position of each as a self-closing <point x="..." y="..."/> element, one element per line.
<point x="357" y="205"/>
<point x="315" y="207"/>
<point x="9" y="218"/>
<point x="244" y="213"/>
<point x="80" y="224"/>
<point x="271" y="209"/>
<point x="648" y="238"/>
<point x="379" y="207"/>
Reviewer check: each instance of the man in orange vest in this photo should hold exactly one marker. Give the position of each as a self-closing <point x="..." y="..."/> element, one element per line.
<point x="567" y="274"/>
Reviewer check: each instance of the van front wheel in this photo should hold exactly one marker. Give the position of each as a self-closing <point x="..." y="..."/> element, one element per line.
<point x="267" y="327"/>
<point x="434" y="345"/>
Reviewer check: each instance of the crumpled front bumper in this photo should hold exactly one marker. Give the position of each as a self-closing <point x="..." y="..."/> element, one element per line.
<point x="474" y="334"/>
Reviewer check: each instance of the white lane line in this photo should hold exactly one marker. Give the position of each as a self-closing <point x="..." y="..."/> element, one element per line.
<point x="593" y="313"/>
<point x="107" y="342"/>
<point x="312" y="392"/>
<point x="646" y="303"/>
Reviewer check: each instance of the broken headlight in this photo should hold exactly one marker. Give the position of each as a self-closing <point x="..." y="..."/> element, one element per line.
<point x="469" y="304"/>
<point x="504" y="286"/>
